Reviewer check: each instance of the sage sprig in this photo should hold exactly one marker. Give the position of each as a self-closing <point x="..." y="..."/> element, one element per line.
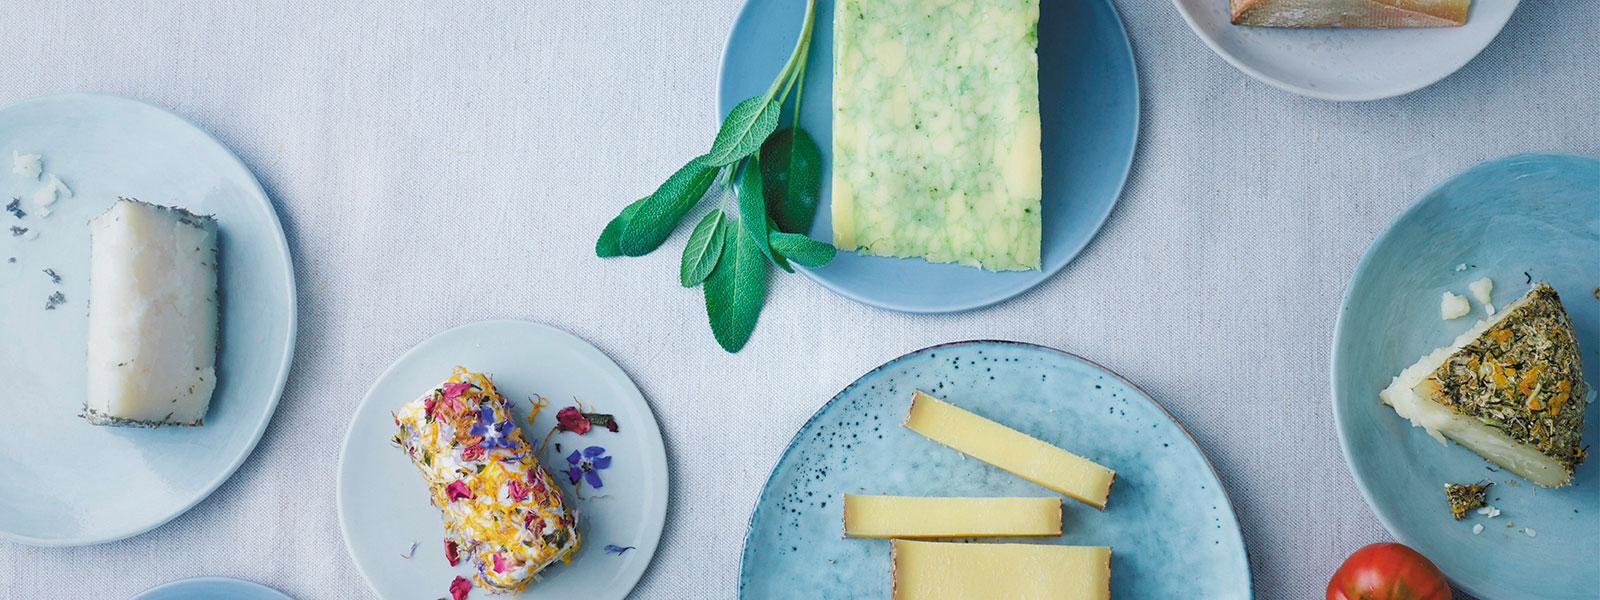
<point x="774" y="177"/>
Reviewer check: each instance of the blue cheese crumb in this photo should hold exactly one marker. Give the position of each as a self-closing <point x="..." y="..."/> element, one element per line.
<point x="26" y="165"/>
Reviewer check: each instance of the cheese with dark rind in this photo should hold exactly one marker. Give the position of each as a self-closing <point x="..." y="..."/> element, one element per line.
<point x="1350" y="13"/>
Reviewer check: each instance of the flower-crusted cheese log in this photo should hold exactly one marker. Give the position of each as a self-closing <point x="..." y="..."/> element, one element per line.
<point x="498" y="503"/>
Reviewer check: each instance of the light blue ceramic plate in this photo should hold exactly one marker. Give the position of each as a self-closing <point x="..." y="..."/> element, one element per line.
<point x="383" y="502"/>
<point x="1529" y="216"/>
<point x="1168" y="520"/>
<point x="211" y="588"/>
<point x="63" y="481"/>
<point x="1089" y="96"/>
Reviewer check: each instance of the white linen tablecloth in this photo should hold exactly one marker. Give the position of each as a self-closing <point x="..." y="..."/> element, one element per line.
<point x="375" y="127"/>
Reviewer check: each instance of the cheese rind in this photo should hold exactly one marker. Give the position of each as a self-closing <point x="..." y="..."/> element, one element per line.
<point x="153" y="316"/>
<point x="1009" y="449"/>
<point x="956" y="571"/>
<point x="1350" y="13"/>
<point x="920" y="517"/>
<point x="936" y="131"/>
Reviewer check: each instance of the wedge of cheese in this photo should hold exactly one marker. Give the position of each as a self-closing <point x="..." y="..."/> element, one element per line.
<point x="1009" y="449"/>
<point x="1510" y="388"/>
<point x="936" y="131"/>
<point x="1350" y="13"/>
<point x="918" y="517"/>
<point x="954" y="571"/>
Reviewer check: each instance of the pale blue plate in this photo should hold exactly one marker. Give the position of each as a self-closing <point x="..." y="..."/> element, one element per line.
<point x="211" y="588"/>
<point x="1171" y="529"/>
<point x="63" y="481"/>
<point x="383" y="501"/>
<point x="1089" y="100"/>
<point x="1529" y="216"/>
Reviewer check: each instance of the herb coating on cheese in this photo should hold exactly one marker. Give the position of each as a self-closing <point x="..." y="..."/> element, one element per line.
<point x="497" y="501"/>
<point x="936" y="131"/>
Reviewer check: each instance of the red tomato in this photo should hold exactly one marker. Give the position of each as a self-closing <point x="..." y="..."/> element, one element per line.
<point x="1387" y="571"/>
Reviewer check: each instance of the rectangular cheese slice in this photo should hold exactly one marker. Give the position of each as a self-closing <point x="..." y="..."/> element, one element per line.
<point x="936" y="131"/>
<point x="955" y="571"/>
<point x="1009" y="449"/>
<point x="917" y="517"/>
<point x="1350" y="13"/>
<point x="152" y="316"/>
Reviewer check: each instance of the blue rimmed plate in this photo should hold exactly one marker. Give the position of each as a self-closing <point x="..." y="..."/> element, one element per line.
<point x="64" y="482"/>
<point x="1089" y="103"/>
<point x="211" y="588"/>
<point x="1528" y="217"/>
<point x="383" y="500"/>
<point x="1168" y="521"/>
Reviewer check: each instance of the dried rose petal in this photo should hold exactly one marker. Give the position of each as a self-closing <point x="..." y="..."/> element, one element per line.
<point x="499" y="562"/>
<point x="459" y="587"/>
<point x="451" y="552"/>
<point x="457" y="490"/>
<point x="472" y="452"/>
<point x="430" y="404"/>
<point x="611" y="426"/>
<point x="570" y="419"/>
<point x="451" y="390"/>
<point x="518" y="490"/>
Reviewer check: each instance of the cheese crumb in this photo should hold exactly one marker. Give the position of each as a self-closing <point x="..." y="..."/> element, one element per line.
<point x="1461" y="267"/>
<point x="1477" y="529"/>
<point x="1489" y="510"/>
<point x="1480" y="291"/>
<point x="26" y="165"/>
<point x="1529" y="531"/>
<point x="1453" y="307"/>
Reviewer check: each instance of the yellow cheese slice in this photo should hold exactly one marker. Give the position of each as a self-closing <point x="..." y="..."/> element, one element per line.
<point x="916" y="517"/>
<point x="955" y="571"/>
<point x="1350" y="13"/>
<point x="1009" y="449"/>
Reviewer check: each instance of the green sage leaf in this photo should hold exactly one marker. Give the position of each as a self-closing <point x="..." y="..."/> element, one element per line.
<point x="743" y="131"/>
<point x="736" y="289"/>
<point x="791" y="173"/>
<point x="704" y="249"/>
<point x="659" y="214"/>
<point x="802" y="249"/>
<point x="607" y="246"/>
<point x="752" y="208"/>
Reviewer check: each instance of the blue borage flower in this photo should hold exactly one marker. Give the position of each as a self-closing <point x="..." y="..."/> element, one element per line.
<point x="618" y="550"/>
<point x="495" y="433"/>
<point x="583" y="465"/>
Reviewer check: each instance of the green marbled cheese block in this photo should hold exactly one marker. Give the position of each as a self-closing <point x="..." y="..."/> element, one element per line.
<point x="936" y="130"/>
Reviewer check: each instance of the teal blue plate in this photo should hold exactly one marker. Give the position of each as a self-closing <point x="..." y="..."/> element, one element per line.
<point x="1168" y="521"/>
<point x="1514" y="219"/>
<point x="1089" y="101"/>
<point x="63" y="481"/>
<point x="211" y="588"/>
<point x="383" y="500"/>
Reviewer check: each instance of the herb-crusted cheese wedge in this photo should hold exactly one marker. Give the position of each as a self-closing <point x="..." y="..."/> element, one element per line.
<point x="1350" y="13"/>
<point x="1511" y="389"/>
<point x="936" y="131"/>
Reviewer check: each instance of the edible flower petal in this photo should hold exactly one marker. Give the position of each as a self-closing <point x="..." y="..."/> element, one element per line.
<point x="519" y="491"/>
<point x="457" y="490"/>
<point x="571" y="419"/>
<point x="618" y="550"/>
<point x="452" y="390"/>
<point x="459" y="587"/>
<point x="452" y="553"/>
<point x="471" y="453"/>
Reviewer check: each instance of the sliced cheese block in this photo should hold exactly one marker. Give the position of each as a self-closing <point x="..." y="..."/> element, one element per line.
<point x="917" y="517"/>
<point x="1010" y="449"/>
<point x="955" y="571"/>
<point x="936" y="131"/>
<point x="1510" y="389"/>
<point x="1350" y="13"/>
<point x="152" y="316"/>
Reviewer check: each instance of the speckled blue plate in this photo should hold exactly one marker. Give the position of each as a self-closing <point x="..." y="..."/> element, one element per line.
<point x="64" y="482"/>
<point x="211" y="588"/>
<point x="1514" y="219"/>
<point x="1089" y="101"/>
<point x="1171" y="529"/>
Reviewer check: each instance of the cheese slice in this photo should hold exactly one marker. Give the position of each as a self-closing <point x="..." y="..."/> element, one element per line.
<point x="955" y="571"/>
<point x="917" y="517"/>
<point x="936" y="131"/>
<point x="1350" y="13"/>
<point x="1009" y="449"/>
